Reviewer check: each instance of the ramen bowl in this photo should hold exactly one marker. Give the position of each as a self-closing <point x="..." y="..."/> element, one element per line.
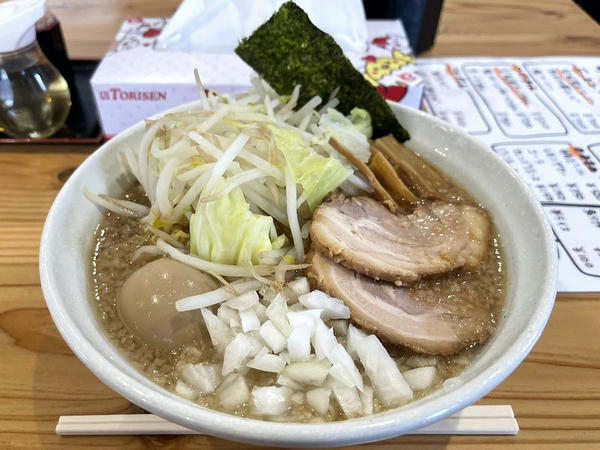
<point x="529" y="248"/>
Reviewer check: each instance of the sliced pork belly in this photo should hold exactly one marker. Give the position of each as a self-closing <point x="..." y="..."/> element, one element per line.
<point x="421" y="319"/>
<point x="363" y="235"/>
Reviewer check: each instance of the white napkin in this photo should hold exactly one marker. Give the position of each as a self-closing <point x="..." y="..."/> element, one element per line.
<point x="216" y="26"/>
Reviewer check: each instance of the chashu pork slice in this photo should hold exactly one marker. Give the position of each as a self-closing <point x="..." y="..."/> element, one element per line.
<point x="424" y="320"/>
<point x="363" y="235"/>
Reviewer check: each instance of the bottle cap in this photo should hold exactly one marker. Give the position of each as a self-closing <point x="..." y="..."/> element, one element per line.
<point x="17" y="23"/>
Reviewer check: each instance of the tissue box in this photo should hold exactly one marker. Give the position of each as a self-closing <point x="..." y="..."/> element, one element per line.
<point x="133" y="81"/>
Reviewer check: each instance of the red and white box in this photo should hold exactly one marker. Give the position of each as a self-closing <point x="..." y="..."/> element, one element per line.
<point x="134" y="81"/>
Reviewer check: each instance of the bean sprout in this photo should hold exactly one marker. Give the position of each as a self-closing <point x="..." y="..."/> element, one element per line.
<point x="188" y="159"/>
<point x="292" y="213"/>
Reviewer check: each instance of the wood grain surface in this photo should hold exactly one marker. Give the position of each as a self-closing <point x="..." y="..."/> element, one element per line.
<point x="467" y="27"/>
<point x="555" y="393"/>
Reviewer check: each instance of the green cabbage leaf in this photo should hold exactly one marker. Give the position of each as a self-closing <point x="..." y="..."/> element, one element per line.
<point x="318" y="175"/>
<point x="226" y="231"/>
<point x="352" y="131"/>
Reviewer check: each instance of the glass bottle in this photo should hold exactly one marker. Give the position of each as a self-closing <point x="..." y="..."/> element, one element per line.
<point x="34" y="97"/>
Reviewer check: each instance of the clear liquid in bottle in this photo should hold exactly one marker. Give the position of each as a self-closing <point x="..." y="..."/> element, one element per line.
<point x="34" y="97"/>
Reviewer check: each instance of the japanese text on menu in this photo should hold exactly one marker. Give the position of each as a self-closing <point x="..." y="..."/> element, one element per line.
<point x="541" y="116"/>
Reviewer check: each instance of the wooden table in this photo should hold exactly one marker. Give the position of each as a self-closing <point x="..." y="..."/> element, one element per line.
<point x="555" y="392"/>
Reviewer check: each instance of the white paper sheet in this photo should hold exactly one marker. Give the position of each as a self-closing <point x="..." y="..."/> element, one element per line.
<point x="542" y="116"/>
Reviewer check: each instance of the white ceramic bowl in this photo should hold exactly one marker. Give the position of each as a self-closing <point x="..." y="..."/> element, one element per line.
<point x="530" y="261"/>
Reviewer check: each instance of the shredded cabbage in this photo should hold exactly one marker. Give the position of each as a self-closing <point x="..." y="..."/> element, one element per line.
<point x="361" y="120"/>
<point x="316" y="174"/>
<point x="351" y="132"/>
<point x="227" y="232"/>
<point x="190" y="163"/>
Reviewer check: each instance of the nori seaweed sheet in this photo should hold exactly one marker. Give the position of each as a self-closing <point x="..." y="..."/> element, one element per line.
<point x="288" y="50"/>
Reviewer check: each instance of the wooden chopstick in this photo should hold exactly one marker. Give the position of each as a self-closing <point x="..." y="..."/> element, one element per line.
<point x="478" y="419"/>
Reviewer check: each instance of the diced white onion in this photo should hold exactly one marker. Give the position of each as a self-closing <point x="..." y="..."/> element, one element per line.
<point x="285" y="356"/>
<point x="277" y="313"/>
<point x="389" y="384"/>
<point x="298" y="398"/>
<point x="255" y="343"/>
<point x="366" y="399"/>
<point x="421" y="378"/>
<point x="204" y="377"/>
<point x="297" y="307"/>
<point x="312" y="372"/>
<point x="318" y="399"/>
<point x="323" y="340"/>
<point x="298" y="344"/>
<point x="236" y="353"/>
<point x="233" y="392"/>
<point x="270" y="400"/>
<point x="220" y="334"/>
<point x="299" y="286"/>
<point x="284" y="380"/>
<point x="267" y="363"/>
<point x="306" y="318"/>
<point x="347" y="398"/>
<point x="183" y="390"/>
<point x="343" y="368"/>
<point x="353" y="340"/>
<point x="260" y="311"/>
<point x="274" y="339"/>
<point x="229" y="316"/>
<point x="249" y="320"/>
<point x="333" y="308"/>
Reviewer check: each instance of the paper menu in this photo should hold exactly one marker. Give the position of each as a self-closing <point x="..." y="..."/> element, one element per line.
<point x="571" y="90"/>
<point x="541" y="116"/>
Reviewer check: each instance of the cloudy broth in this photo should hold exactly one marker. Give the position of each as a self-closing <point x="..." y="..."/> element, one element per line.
<point x="117" y="238"/>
